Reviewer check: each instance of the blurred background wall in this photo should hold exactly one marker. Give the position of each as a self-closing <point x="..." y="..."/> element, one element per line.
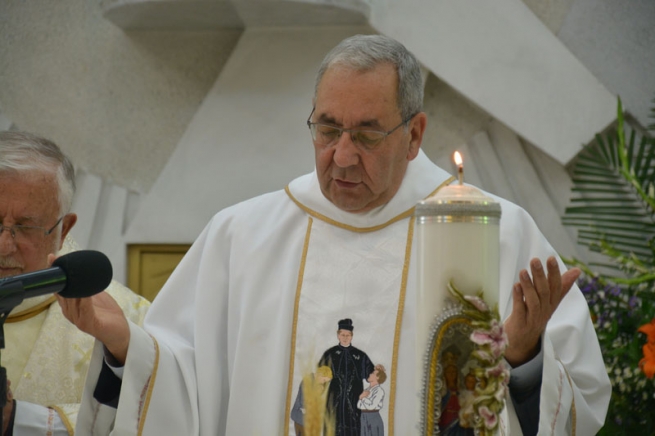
<point x="174" y="109"/>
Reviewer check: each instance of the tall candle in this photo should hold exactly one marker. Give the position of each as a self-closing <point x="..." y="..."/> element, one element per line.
<point x="457" y="241"/>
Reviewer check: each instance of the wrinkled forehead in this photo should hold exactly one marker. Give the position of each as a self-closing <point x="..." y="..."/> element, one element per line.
<point x="30" y="196"/>
<point x="352" y="98"/>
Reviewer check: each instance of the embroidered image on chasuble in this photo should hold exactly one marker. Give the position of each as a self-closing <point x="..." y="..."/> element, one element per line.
<point x="352" y="274"/>
<point x="350" y="366"/>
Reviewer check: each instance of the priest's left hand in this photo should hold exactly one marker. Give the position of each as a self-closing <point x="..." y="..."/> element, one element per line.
<point x="534" y="302"/>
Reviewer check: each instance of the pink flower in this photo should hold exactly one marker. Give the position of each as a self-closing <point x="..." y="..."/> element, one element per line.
<point x="495" y="337"/>
<point x="490" y="418"/>
<point x="478" y="302"/>
<point x="500" y="371"/>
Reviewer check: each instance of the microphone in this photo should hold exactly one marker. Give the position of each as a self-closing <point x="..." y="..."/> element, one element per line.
<point x="77" y="274"/>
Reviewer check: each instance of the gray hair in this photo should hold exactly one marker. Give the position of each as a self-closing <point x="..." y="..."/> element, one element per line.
<point x="365" y="52"/>
<point x="23" y="152"/>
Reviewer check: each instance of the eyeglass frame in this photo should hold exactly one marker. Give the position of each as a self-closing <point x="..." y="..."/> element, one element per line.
<point x="12" y="229"/>
<point x="341" y="130"/>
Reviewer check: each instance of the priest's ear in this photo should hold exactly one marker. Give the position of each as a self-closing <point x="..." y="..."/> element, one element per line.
<point x="416" y="129"/>
<point x="67" y="224"/>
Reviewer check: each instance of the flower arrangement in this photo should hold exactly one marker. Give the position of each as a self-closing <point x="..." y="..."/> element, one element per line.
<point x="614" y="211"/>
<point x="481" y="410"/>
<point x="620" y="316"/>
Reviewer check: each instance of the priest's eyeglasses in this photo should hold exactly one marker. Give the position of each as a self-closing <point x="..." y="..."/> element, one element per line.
<point x="21" y="233"/>
<point x="325" y="134"/>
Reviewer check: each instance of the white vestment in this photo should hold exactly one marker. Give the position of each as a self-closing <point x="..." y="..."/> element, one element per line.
<point x="257" y="299"/>
<point x="47" y="370"/>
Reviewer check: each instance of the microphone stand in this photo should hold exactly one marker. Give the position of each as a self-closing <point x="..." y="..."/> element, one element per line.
<point x="10" y="297"/>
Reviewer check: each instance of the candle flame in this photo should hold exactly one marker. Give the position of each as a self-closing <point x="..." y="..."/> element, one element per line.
<point x="458" y="158"/>
<point x="460" y="167"/>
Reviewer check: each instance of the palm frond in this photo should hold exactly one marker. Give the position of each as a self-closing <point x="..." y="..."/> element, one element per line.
<point x="613" y="201"/>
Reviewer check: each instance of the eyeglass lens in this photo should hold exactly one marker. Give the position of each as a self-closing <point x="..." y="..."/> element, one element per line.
<point x="329" y="135"/>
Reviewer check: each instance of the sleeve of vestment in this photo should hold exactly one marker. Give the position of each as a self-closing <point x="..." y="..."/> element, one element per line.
<point x="575" y="389"/>
<point x="159" y="390"/>
<point x="525" y="389"/>
<point x="36" y="420"/>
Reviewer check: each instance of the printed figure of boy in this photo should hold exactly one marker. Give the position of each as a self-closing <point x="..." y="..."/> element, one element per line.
<point x="371" y="401"/>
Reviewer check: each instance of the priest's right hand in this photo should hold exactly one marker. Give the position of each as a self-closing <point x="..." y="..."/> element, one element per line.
<point x="101" y="317"/>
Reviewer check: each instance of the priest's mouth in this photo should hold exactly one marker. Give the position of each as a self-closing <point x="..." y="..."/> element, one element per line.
<point x="345" y="184"/>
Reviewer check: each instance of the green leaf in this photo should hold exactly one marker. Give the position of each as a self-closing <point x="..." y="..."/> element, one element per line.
<point x="612" y="195"/>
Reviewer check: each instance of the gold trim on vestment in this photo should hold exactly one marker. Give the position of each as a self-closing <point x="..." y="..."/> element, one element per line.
<point x="322" y="217"/>
<point x="151" y="386"/>
<point x="347" y="226"/>
<point x="399" y="323"/>
<point x="31" y="312"/>
<point x="64" y="419"/>
<point x="294" y="327"/>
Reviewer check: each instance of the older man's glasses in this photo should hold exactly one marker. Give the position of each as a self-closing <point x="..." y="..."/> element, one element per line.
<point x="327" y="135"/>
<point x="21" y="233"/>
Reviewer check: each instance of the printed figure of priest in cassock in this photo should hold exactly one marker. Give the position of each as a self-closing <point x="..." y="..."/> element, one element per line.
<point x="350" y="367"/>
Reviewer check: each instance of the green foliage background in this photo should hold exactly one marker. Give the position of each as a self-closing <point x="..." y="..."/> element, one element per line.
<point x="613" y="208"/>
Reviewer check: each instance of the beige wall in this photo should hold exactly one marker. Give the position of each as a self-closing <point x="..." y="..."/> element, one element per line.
<point x="117" y="102"/>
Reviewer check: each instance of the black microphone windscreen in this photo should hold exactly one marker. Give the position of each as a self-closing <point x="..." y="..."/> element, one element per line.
<point x="88" y="272"/>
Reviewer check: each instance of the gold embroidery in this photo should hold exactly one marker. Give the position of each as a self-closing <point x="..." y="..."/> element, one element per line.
<point x="31" y="312"/>
<point x="86" y="353"/>
<point x="151" y="386"/>
<point x="64" y="419"/>
<point x="296" y="305"/>
<point x="399" y="323"/>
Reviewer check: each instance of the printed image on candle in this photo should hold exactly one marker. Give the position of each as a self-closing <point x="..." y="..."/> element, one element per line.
<point x="454" y="392"/>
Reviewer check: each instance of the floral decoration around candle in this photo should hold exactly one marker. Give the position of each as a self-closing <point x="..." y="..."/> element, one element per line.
<point x="465" y="377"/>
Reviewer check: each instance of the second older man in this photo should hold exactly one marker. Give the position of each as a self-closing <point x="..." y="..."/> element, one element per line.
<point x="45" y="356"/>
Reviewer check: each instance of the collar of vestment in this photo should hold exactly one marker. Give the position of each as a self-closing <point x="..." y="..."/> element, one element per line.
<point x="30" y="308"/>
<point x="421" y="179"/>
